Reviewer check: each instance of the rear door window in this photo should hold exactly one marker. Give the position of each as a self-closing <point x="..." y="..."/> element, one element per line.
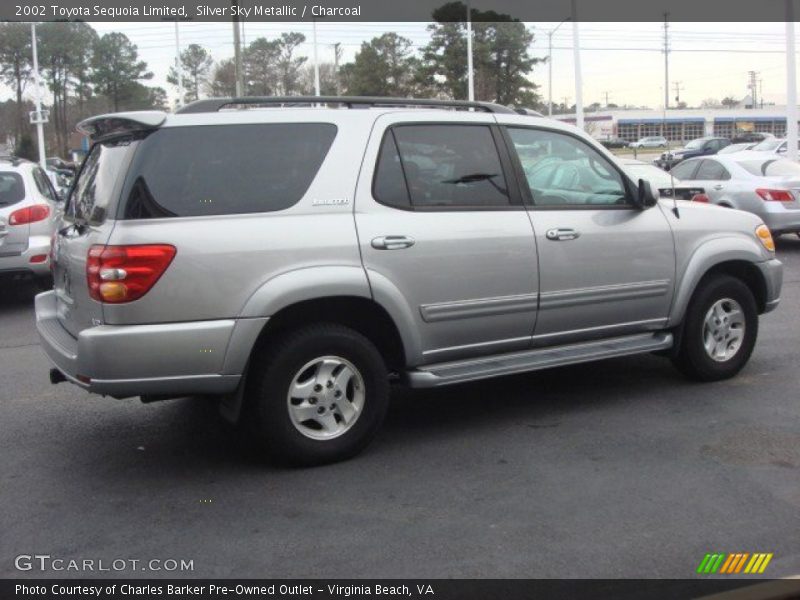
<point x="440" y="166"/>
<point x="711" y="170"/>
<point x="224" y="169"/>
<point x="12" y="188"/>
<point x="685" y="170"/>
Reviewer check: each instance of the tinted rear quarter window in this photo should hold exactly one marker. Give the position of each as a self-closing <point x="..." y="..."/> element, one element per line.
<point x="12" y="188"/>
<point x="224" y="169"/>
<point x="685" y="170"/>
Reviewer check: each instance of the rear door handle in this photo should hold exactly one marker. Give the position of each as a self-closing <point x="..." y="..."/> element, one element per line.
<point x="392" y="242"/>
<point x="562" y="234"/>
<point x="718" y="186"/>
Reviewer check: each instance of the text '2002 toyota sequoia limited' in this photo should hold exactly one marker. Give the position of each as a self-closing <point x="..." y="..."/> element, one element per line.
<point x="290" y="254"/>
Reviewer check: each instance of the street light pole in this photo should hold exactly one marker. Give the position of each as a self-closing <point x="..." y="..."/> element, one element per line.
<point x="470" y="80"/>
<point x="791" y="85"/>
<point x="550" y="67"/>
<point x="178" y="64"/>
<point x="316" y="61"/>
<point x="39" y="118"/>
<point x="576" y="50"/>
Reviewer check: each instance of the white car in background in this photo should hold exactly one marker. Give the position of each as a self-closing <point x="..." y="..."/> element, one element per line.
<point x="649" y="142"/>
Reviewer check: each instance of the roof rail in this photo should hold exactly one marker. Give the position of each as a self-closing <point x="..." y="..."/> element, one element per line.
<point x="215" y="104"/>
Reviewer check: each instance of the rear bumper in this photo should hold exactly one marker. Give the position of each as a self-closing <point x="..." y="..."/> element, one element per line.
<point x="780" y="220"/>
<point x="21" y="263"/>
<point x="198" y="357"/>
<point x="772" y="270"/>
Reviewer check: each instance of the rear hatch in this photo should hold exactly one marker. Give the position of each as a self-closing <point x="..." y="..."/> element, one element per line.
<point x="88" y="220"/>
<point x="13" y="238"/>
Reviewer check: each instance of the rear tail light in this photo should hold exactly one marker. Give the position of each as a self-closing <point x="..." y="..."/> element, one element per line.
<point x="701" y="198"/>
<point x="29" y="214"/>
<point x="119" y="274"/>
<point x="768" y="195"/>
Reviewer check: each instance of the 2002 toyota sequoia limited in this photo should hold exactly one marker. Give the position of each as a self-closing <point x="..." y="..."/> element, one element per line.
<point x="290" y="258"/>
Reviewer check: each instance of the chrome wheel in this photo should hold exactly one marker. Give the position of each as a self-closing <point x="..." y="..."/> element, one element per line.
<point x="723" y="329"/>
<point x="326" y="397"/>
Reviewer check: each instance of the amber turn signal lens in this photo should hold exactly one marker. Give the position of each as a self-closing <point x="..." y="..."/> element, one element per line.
<point x="113" y="291"/>
<point x="765" y="237"/>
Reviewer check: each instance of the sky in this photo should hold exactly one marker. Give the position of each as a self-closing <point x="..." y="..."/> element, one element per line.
<point x="624" y="60"/>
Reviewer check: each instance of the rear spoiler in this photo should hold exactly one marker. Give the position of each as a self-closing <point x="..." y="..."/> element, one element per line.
<point x="123" y="122"/>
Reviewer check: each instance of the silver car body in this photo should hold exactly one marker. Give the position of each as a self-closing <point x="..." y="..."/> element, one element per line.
<point x="23" y="246"/>
<point x="471" y="293"/>
<point x="649" y="142"/>
<point x="737" y="186"/>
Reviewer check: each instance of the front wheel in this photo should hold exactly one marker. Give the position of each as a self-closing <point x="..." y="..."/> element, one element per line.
<point x="318" y="395"/>
<point x="720" y="330"/>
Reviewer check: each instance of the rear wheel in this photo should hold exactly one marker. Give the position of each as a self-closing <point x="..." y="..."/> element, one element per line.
<point x="318" y="395"/>
<point x="720" y="330"/>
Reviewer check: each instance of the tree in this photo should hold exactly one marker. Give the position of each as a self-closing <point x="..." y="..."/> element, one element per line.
<point x="196" y="65"/>
<point x="710" y="103"/>
<point x="289" y="66"/>
<point x="327" y="80"/>
<point x="116" y="66"/>
<point x="383" y="67"/>
<point x="26" y="147"/>
<point x="15" y="66"/>
<point x="65" y="51"/>
<point x="502" y="61"/>
<point x="223" y="80"/>
<point x="260" y="66"/>
<point x="730" y="102"/>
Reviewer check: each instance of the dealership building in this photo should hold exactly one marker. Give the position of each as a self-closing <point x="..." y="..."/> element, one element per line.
<point x="680" y="125"/>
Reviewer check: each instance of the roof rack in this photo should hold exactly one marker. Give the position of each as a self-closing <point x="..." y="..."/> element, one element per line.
<point x="216" y="104"/>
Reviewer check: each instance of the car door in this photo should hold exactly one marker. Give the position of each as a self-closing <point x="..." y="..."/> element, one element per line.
<point x="714" y="178"/>
<point x="13" y="237"/>
<point x="605" y="267"/>
<point x="444" y="234"/>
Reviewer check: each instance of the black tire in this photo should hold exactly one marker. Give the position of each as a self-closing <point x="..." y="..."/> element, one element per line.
<point x="273" y="371"/>
<point x="692" y="359"/>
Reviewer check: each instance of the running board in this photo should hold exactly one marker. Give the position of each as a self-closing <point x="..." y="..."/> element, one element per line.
<point x="539" y="358"/>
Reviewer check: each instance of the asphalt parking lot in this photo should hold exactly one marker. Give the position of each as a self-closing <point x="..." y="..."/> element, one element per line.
<point x="614" y="469"/>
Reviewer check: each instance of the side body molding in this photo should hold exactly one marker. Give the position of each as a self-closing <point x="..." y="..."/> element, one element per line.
<point x="691" y="269"/>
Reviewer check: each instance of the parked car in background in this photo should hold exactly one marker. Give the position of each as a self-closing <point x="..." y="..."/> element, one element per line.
<point x="664" y="181"/>
<point x="704" y="146"/>
<point x="614" y="142"/>
<point x="773" y="146"/>
<point x="740" y="147"/>
<point x="765" y="186"/>
<point x="29" y="209"/>
<point x="649" y="142"/>
<point x="750" y="137"/>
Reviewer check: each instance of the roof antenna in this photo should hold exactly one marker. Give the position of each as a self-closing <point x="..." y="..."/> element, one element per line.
<point x="675" y="210"/>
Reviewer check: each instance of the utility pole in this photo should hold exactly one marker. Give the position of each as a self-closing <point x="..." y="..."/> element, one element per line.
<point x="566" y="104"/>
<point x="316" y="60"/>
<point x="237" y="51"/>
<point x="606" y="95"/>
<point x="761" y="91"/>
<point x="666" y="60"/>
<point x="677" y="85"/>
<point x="753" y="86"/>
<point x="470" y="79"/>
<point x="336" y="55"/>
<point x="550" y="67"/>
<point x="791" y="84"/>
<point x="178" y="64"/>
<point x="576" y="53"/>
<point x="38" y="117"/>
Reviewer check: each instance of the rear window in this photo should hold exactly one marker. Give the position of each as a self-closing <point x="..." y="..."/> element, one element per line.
<point x="12" y="189"/>
<point x="224" y="170"/>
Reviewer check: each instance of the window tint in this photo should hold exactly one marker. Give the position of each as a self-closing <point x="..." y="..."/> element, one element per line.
<point x="561" y="169"/>
<point x="93" y="189"/>
<point x="442" y="165"/>
<point x="12" y="189"/>
<point x="390" y="183"/>
<point x="224" y="169"/>
<point x="685" y="170"/>
<point x="711" y="170"/>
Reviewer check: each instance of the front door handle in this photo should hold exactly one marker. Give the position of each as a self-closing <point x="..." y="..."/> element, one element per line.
<point x="562" y="234"/>
<point x="392" y="242"/>
<point x="718" y="186"/>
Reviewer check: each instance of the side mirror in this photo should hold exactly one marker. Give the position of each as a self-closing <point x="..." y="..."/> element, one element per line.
<point x="646" y="195"/>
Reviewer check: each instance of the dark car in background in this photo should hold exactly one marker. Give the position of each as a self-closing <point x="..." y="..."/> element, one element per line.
<point x="750" y="137"/>
<point x="704" y="146"/>
<point x="614" y="142"/>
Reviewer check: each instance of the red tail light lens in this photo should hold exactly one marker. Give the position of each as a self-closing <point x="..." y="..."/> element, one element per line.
<point x="768" y="195"/>
<point x="700" y="198"/>
<point x="118" y="274"/>
<point x="29" y="214"/>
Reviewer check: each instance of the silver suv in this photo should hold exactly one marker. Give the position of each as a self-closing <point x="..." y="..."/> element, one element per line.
<point x="29" y="209"/>
<point x="292" y="256"/>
